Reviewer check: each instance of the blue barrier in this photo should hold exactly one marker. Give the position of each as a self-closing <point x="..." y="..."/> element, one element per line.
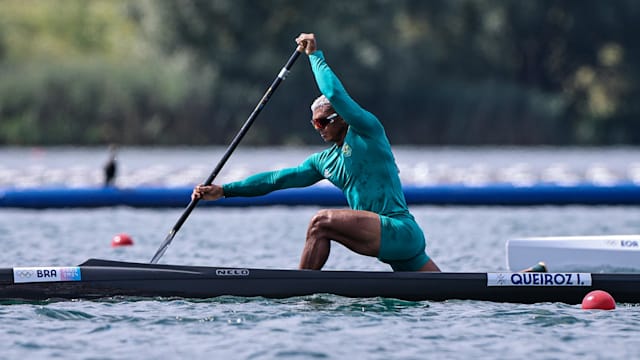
<point x="494" y="194"/>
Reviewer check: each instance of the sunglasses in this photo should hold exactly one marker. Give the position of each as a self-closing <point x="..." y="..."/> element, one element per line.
<point x="322" y="123"/>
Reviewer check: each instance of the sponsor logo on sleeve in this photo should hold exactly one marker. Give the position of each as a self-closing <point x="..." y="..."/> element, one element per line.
<point x="538" y="279"/>
<point x="346" y="150"/>
<point x="46" y="274"/>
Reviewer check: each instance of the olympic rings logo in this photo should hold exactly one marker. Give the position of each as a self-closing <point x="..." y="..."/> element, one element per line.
<point x="25" y="273"/>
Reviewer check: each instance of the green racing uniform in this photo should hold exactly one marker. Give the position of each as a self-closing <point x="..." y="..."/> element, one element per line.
<point x="364" y="169"/>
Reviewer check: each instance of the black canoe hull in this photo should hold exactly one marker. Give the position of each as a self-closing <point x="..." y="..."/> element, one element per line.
<point x="104" y="278"/>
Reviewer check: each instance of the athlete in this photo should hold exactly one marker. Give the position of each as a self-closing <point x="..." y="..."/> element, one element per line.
<point x="361" y="164"/>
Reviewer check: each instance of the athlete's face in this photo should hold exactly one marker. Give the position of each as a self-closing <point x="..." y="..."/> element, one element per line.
<point x="329" y="124"/>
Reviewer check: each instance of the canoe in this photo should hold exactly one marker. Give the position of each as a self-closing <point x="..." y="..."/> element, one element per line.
<point x="608" y="253"/>
<point x="96" y="279"/>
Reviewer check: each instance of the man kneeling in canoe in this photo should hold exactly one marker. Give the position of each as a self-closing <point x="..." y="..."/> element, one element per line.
<point x="362" y="165"/>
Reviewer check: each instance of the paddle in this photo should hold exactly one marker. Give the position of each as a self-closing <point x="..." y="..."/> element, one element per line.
<point x="234" y="143"/>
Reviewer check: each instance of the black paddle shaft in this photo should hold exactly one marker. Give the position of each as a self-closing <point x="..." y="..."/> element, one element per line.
<point x="234" y="143"/>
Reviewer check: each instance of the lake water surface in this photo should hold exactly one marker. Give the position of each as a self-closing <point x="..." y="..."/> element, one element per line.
<point x="320" y="326"/>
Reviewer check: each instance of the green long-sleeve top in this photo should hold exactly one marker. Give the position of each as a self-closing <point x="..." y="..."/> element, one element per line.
<point x="363" y="167"/>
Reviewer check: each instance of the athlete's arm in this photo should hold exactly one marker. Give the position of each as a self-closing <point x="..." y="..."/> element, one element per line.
<point x="263" y="183"/>
<point x="357" y="117"/>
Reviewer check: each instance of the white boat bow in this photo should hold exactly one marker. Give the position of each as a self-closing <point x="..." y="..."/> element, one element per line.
<point x="606" y="253"/>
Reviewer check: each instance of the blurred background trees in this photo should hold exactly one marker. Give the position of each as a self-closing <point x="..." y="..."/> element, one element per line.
<point x="442" y="72"/>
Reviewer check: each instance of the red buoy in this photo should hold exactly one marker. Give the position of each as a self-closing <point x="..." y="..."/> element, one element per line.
<point x="598" y="300"/>
<point x="121" y="240"/>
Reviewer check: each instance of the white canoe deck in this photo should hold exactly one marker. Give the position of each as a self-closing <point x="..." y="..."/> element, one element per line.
<point x="607" y="253"/>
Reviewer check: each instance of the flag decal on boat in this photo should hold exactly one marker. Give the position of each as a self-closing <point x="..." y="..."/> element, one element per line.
<point x="46" y="274"/>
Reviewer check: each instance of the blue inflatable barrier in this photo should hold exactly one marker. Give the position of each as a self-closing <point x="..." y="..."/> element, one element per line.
<point x="540" y="194"/>
<point x="494" y="194"/>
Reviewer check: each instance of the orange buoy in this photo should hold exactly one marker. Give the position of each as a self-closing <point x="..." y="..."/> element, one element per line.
<point x="121" y="240"/>
<point x="598" y="300"/>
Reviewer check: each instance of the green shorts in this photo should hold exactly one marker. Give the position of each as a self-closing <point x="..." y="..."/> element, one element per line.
<point x="402" y="243"/>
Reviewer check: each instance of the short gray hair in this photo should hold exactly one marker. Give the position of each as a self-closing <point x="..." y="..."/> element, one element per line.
<point x="319" y="102"/>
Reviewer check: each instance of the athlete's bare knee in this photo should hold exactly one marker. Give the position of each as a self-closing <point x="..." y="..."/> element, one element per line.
<point x="318" y="224"/>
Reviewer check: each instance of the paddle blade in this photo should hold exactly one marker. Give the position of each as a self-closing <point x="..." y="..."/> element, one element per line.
<point x="163" y="247"/>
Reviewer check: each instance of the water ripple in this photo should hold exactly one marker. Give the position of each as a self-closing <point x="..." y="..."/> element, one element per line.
<point x="59" y="314"/>
<point x="318" y="326"/>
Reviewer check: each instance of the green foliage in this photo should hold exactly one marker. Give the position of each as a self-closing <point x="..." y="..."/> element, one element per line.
<point x="435" y="72"/>
<point x="98" y="102"/>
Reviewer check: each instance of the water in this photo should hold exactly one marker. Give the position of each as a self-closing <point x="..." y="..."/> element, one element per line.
<point x="81" y="167"/>
<point x="320" y="326"/>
